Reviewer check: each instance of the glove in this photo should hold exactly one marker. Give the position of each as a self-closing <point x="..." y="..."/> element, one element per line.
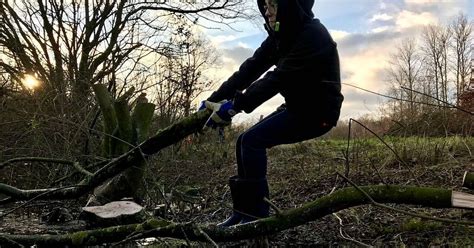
<point x="202" y="105"/>
<point x="222" y="113"/>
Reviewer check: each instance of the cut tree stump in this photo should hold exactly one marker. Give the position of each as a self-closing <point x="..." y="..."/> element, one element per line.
<point x="468" y="180"/>
<point x="114" y="213"/>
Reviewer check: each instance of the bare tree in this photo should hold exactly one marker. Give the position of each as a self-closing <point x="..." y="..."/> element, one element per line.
<point x="462" y="40"/>
<point x="436" y="39"/>
<point x="72" y="45"/>
<point x="405" y="71"/>
<point x="184" y="76"/>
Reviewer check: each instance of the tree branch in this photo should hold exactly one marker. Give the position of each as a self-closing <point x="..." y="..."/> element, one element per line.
<point x="162" y="139"/>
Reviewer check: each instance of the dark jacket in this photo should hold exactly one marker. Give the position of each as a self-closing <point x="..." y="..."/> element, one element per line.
<point x="307" y="67"/>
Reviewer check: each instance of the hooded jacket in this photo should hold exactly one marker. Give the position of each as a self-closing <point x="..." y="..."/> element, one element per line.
<point x="307" y="70"/>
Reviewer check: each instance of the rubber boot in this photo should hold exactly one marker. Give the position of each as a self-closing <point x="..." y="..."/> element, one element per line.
<point x="236" y="217"/>
<point x="253" y="193"/>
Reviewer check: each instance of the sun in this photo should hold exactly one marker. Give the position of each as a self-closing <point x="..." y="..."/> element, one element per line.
<point x="30" y="82"/>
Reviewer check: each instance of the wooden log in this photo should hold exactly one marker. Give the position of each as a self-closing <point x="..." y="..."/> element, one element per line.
<point x="114" y="213"/>
<point x="462" y="200"/>
<point x="341" y="199"/>
<point x="468" y="180"/>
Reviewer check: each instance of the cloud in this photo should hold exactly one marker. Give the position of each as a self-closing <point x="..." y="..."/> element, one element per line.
<point x="421" y="1"/>
<point x="442" y="9"/>
<point x="238" y="54"/>
<point x="244" y="45"/>
<point x="408" y="19"/>
<point x="357" y="43"/>
<point x="229" y="62"/>
<point x="221" y="39"/>
<point x="381" y="17"/>
<point x="338" y="35"/>
<point x="381" y="29"/>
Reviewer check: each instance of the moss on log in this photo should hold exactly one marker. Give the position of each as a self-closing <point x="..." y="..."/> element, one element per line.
<point x="108" y="113"/>
<point x="338" y="200"/>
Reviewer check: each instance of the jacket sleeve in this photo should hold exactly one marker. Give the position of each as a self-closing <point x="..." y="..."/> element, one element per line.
<point x="249" y="71"/>
<point x="306" y="55"/>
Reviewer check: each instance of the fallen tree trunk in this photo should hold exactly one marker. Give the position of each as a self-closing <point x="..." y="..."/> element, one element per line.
<point x="162" y="139"/>
<point x="338" y="200"/>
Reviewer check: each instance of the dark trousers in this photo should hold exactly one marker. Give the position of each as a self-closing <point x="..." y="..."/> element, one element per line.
<point x="280" y="127"/>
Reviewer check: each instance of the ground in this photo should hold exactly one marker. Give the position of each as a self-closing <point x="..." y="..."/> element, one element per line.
<point x="191" y="179"/>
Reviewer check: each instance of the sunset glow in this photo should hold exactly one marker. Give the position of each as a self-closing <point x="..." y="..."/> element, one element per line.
<point x="30" y="82"/>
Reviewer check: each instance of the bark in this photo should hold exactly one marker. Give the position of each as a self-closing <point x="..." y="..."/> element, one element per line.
<point x="163" y="138"/>
<point x="338" y="200"/>
<point x="122" y="131"/>
<point x="108" y="114"/>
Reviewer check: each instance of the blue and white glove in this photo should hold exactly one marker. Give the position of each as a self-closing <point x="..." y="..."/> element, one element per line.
<point x="202" y="105"/>
<point x="222" y="113"/>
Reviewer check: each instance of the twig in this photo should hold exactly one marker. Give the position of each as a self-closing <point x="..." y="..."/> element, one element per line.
<point x="439" y="100"/>
<point x="389" y="147"/>
<point x="347" y="148"/>
<point x="9" y="242"/>
<point x="467" y="147"/>
<point x="347" y="237"/>
<point x="81" y="169"/>
<point x="378" y="172"/>
<point x="98" y="164"/>
<point x="35" y="159"/>
<point x="400" y="99"/>
<point x="469" y="223"/>
<point x="204" y="234"/>
<point x="7" y="200"/>
<point x="34" y="198"/>
<point x="273" y="206"/>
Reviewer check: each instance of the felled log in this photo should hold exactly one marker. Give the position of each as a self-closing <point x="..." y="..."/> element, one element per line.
<point x="468" y="180"/>
<point x="338" y="200"/>
<point x="114" y="213"/>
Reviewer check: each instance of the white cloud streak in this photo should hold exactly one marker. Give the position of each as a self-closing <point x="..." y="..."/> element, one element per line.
<point x="381" y="17"/>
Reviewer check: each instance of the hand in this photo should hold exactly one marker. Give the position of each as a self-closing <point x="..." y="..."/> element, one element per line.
<point x="222" y="113"/>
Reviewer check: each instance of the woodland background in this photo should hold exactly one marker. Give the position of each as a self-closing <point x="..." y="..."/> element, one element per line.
<point x="53" y="52"/>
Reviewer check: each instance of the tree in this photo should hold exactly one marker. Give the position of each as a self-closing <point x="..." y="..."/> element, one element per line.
<point x="405" y="70"/>
<point x="462" y="36"/>
<point x="72" y="45"/>
<point x="183" y="74"/>
<point x="436" y="39"/>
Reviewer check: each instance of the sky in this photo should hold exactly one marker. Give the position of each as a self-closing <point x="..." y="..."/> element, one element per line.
<point x="367" y="33"/>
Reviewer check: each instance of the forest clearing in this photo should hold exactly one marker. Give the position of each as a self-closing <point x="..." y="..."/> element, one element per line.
<point x="148" y="123"/>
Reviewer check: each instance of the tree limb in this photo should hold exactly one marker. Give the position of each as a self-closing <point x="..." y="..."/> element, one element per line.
<point x="338" y="200"/>
<point x="35" y="159"/>
<point x="162" y="139"/>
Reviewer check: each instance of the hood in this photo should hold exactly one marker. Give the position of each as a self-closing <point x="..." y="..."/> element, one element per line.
<point x="291" y="14"/>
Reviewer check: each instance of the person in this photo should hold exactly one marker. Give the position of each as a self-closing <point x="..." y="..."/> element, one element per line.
<point x="307" y="75"/>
